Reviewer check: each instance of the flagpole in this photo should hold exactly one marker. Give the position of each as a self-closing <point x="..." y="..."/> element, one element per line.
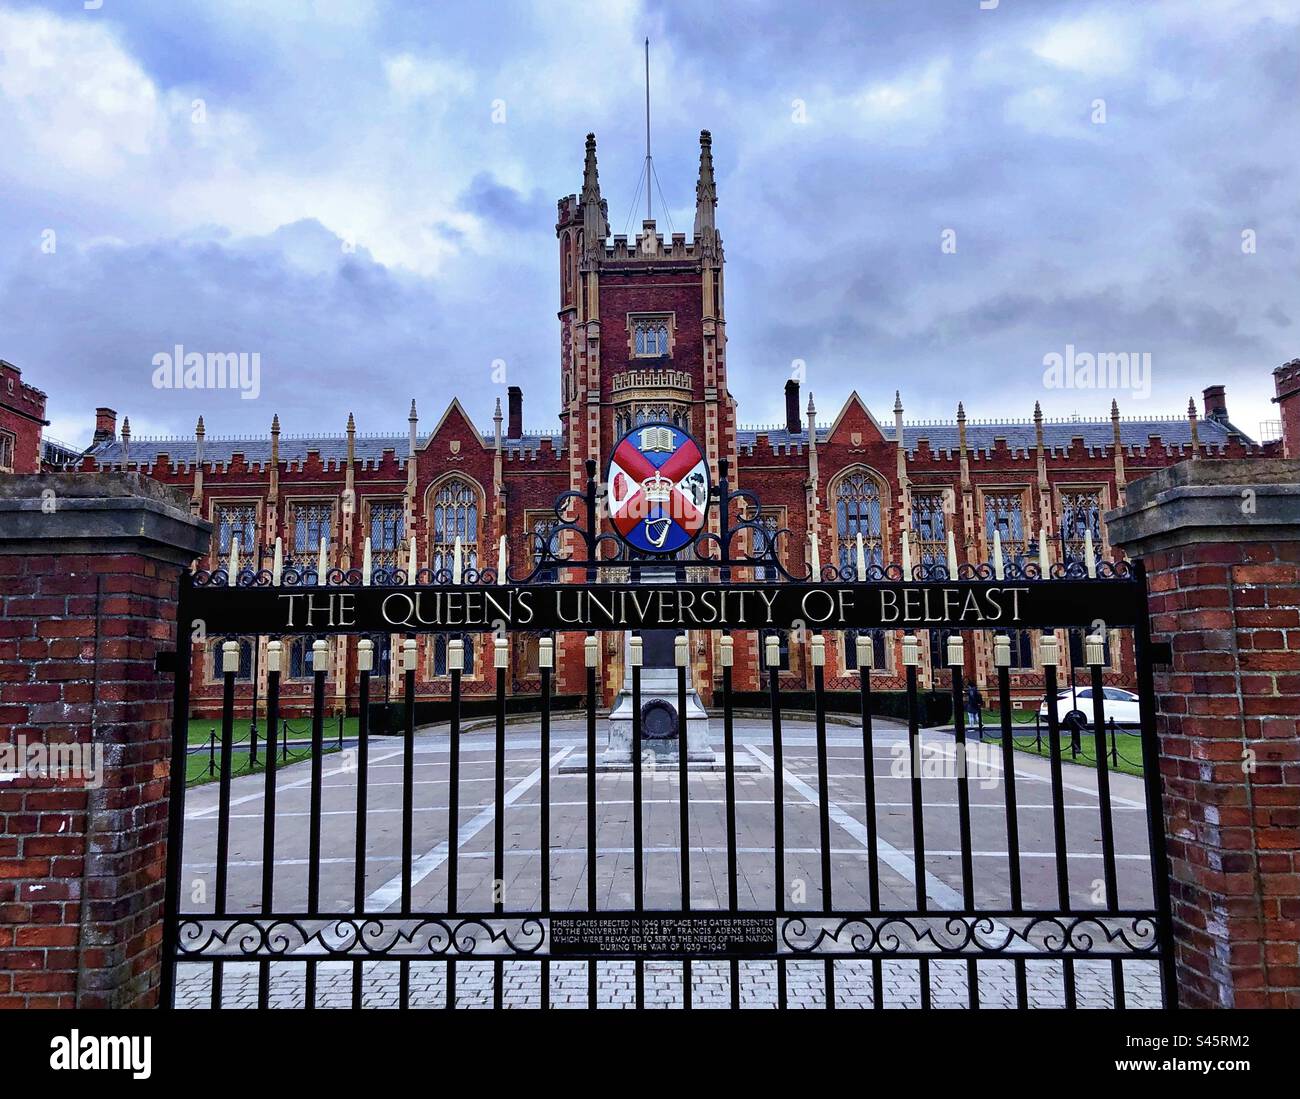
<point x="648" y="215"/>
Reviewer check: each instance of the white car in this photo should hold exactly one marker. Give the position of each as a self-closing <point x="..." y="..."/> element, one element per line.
<point x="1118" y="704"/>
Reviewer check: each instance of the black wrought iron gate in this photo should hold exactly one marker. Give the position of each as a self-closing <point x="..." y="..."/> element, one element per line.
<point x="794" y="920"/>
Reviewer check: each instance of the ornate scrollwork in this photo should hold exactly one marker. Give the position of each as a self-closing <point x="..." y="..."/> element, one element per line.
<point x="358" y="936"/>
<point x="973" y="935"/>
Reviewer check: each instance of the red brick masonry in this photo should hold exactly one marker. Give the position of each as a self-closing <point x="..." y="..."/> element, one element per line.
<point x="83" y="852"/>
<point x="1222" y="547"/>
<point x="82" y="868"/>
<point x="1230" y="760"/>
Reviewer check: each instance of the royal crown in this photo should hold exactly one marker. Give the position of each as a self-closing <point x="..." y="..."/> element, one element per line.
<point x="657" y="488"/>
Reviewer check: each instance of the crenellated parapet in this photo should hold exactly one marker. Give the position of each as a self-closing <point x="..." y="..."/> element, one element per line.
<point x="652" y="381"/>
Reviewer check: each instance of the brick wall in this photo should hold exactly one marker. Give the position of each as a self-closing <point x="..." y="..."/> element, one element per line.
<point x="88" y="591"/>
<point x="1221" y="542"/>
<point x="82" y="868"/>
<point x="1230" y="762"/>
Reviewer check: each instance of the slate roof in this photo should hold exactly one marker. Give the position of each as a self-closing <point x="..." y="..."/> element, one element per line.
<point x="1019" y="434"/>
<point x="942" y="436"/>
<point x="256" y="449"/>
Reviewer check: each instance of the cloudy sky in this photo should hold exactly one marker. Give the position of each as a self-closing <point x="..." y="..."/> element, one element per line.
<point x="931" y="196"/>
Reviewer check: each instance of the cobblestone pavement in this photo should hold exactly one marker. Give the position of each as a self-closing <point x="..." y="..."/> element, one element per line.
<point x="710" y="985"/>
<point x="563" y="859"/>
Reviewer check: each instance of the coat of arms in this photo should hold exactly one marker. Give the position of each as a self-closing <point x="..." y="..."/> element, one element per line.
<point x="658" y="489"/>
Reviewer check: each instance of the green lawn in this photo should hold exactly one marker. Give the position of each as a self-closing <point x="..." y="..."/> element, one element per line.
<point x="199" y="767"/>
<point x="201" y="728"/>
<point x="1128" y="745"/>
<point x="206" y="766"/>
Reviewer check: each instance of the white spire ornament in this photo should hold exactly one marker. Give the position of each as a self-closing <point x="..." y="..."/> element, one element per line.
<point x="365" y="563"/>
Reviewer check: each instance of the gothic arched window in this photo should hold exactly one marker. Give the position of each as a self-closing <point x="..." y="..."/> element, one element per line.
<point x="858" y="511"/>
<point x="455" y="515"/>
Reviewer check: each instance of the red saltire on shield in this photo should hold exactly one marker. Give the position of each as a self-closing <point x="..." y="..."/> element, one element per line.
<point x="647" y="503"/>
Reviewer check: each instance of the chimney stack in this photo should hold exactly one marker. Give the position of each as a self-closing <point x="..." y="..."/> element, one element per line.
<point x="515" y="422"/>
<point x="792" y="420"/>
<point x="1216" y="403"/>
<point x="1287" y="379"/>
<point x="105" y="425"/>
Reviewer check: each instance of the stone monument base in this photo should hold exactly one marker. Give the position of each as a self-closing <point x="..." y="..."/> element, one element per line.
<point x="658" y="753"/>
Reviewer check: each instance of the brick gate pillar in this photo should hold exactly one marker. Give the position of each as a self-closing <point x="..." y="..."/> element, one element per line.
<point x="1221" y="541"/>
<point x="89" y="571"/>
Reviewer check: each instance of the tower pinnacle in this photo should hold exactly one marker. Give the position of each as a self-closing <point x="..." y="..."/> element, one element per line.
<point x="595" y="212"/>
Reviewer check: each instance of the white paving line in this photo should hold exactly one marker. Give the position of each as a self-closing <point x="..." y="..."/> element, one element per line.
<point x="938" y="891"/>
<point x="891" y="856"/>
<point x="390" y="892"/>
<point x="348" y="768"/>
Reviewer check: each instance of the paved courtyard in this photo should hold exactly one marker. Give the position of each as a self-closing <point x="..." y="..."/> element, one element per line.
<point x="568" y="867"/>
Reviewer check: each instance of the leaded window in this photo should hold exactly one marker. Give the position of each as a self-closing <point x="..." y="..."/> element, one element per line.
<point x="930" y="525"/>
<point x="455" y="515"/>
<point x="858" y="511"/>
<point x="387" y="532"/>
<point x="650" y="337"/>
<point x="1022" y="648"/>
<point x="545" y="544"/>
<point x="939" y="648"/>
<point x="235" y="520"/>
<point x="245" y="658"/>
<point x="440" y="652"/>
<point x="1004" y="512"/>
<point x="769" y="522"/>
<point x="302" y="657"/>
<point x="878" y="648"/>
<point x="1080" y="513"/>
<point x="311" y="523"/>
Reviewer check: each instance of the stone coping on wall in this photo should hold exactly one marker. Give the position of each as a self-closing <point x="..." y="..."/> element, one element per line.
<point x="99" y="513"/>
<point x="1237" y="500"/>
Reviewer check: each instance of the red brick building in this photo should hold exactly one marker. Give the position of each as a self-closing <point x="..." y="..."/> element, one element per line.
<point x="22" y="418"/>
<point x="643" y="337"/>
